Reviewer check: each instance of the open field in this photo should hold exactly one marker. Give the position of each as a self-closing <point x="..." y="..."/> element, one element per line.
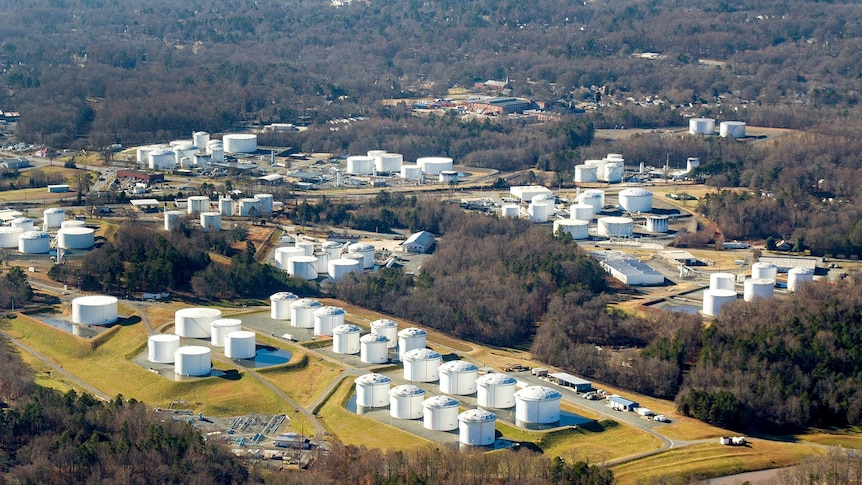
<point x="304" y="378"/>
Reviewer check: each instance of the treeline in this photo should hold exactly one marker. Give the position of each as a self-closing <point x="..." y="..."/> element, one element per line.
<point x="15" y="290"/>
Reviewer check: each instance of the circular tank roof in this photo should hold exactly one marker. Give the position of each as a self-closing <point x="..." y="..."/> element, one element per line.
<point x="721" y="293"/>
<point x="384" y="323"/>
<point x="360" y="246"/>
<point x="305" y="302"/>
<point x="226" y="322"/>
<point x="198" y="313"/>
<point x="496" y="379"/>
<point x="76" y="230"/>
<point x="799" y="271"/>
<point x="372" y="379"/>
<point x="406" y="390"/>
<point x="458" y="366"/>
<point x="95" y="300"/>
<point x="346" y="328"/>
<point x="329" y="310"/>
<point x="194" y="350"/>
<point x="371" y="338"/>
<point x="241" y="334"/>
<point x="636" y="192"/>
<point x="538" y="393"/>
<point x="422" y="354"/>
<point x="166" y="337"/>
<point x="34" y="235"/>
<point x="412" y="332"/>
<point x="477" y="416"/>
<point x="283" y="295"/>
<point x="440" y="402"/>
<point x="54" y="210"/>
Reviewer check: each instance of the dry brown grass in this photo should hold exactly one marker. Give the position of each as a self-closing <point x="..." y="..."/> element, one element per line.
<point x="306" y="379"/>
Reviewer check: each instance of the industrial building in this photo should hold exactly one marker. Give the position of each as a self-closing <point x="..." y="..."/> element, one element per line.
<point x="630" y="270"/>
<point x="568" y="380"/>
<point x="785" y="264"/>
<point x="15" y="163"/>
<point x="499" y="106"/>
<point x="622" y="404"/>
<point x="418" y="243"/>
<point x="271" y="179"/>
<point x="525" y="193"/>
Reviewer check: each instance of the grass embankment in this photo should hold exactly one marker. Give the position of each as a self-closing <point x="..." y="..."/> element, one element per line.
<point x="304" y="378"/>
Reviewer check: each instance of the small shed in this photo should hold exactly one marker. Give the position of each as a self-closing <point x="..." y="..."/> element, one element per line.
<point x="568" y="380"/>
<point x="622" y="404"/>
<point x="420" y="242"/>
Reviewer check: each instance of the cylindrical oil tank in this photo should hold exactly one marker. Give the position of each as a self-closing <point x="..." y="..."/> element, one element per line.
<point x="713" y="300"/>
<point x="76" y="238"/>
<point x="448" y="177"/>
<point x="162" y="159"/>
<point x="94" y="310"/>
<point x="701" y="126"/>
<point x="279" y="308"/>
<point x="200" y="138"/>
<point x="440" y="413"/>
<point x="240" y="345"/>
<point x="184" y="154"/>
<point x="198" y="204"/>
<point x="53" y="217"/>
<point x="758" y="288"/>
<point x="284" y="253"/>
<point x="412" y="172"/>
<point x="249" y="206"/>
<point x="434" y="165"/>
<point x="266" y="201"/>
<point x="797" y="276"/>
<point x="537" y="405"/>
<point x="722" y="281"/>
<point x="510" y="210"/>
<point x="405" y="402"/>
<point x="585" y="174"/>
<point x="359" y="258"/>
<point x="211" y="221"/>
<point x="388" y="162"/>
<point x="476" y="427"/>
<point x="734" y="129"/>
<point x="764" y="270"/>
<point x="540" y="209"/>
<point x="345" y="339"/>
<point x="220" y="328"/>
<point x="303" y="267"/>
<point x="612" y="172"/>
<point x="216" y="149"/>
<point x="192" y="360"/>
<point x="334" y="249"/>
<point x="326" y="318"/>
<point x="581" y="212"/>
<point x="72" y="223"/>
<point x="9" y="237"/>
<point x="339" y="268"/>
<point x="375" y="153"/>
<point x="389" y="329"/>
<point x="322" y="263"/>
<point x="240" y="143"/>
<point x="409" y="339"/>
<point x="657" y="223"/>
<point x="367" y="252"/>
<point x="302" y="312"/>
<point x="373" y="349"/>
<point x="614" y="156"/>
<point x="372" y="390"/>
<point x="161" y="348"/>
<point x="195" y="322"/>
<point x="306" y="246"/>
<point x="422" y="365"/>
<point x="636" y="200"/>
<point x="23" y="223"/>
<point x="360" y="164"/>
<point x="225" y="206"/>
<point x="496" y="390"/>
<point x="458" y="377"/>
<point x="34" y="242"/>
<point x="594" y="198"/>
<point x="578" y="229"/>
<point x="615" y="226"/>
<point x="173" y="219"/>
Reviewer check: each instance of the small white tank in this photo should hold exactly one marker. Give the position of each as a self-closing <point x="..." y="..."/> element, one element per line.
<point x="302" y="267"/>
<point x="412" y="172"/>
<point x="193" y="360"/>
<point x="581" y="212"/>
<point x="458" y="377"/>
<point x="722" y="281"/>
<point x="94" y="310"/>
<point x="322" y="263"/>
<point x="200" y="138"/>
<point x="758" y="288"/>
<point x="326" y="318"/>
<point x="345" y="339"/>
<point x="266" y="203"/>
<point x="195" y="322"/>
<point x="388" y="162"/>
<point x="225" y="206"/>
<point x="284" y="253"/>
<point x="306" y="246"/>
<point x="53" y="217"/>
<point x="34" y="242"/>
<point x="701" y="126"/>
<point x="339" y="268"/>
<point x="220" y="328"/>
<point x="360" y="164"/>
<point x="162" y="159"/>
<point x="240" y="345"/>
<point x="537" y="405"/>
<point x="713" y="300"/>
<point x="448" y="177"/>
<point x="635" y="199"/>
<point x="334" y="249"/>
<point x="9" y="237"/>
<point x="373" y="349"/>
<point x="612" y="172"/>
<point x="198" y="204"/>
<point x="422" y="365"/>
<point x="405" y="402"/>
<point x="510" y="210"/>
<point x="161" y="348"/>
<point x="540" y="210"/>
<point x="657" y="223"/>
<point x="366" y="250"/>
<point x="734" y="129"/>
<point x="594" y="198"/>
<point x="76" y="238"/>
<point x="440" y="413"/>
<point x="372" y="390"/>
<point x="578" y="229"/>
<point x="797" y="276"/>
<point x="476" y="427"/>
<point x="764" y="270"/>
<point x="173" y="219"/>
<point x="302" y="312"/>
<point x="410" y="339"/>
<point x="496" y="390"/>
<point x="280" y="305"/>
<point x="72" y="223"/>
<point x="249" y="206"/>
<point x="211" y="221"/>
<point x="387" y="328"/>
<point x="24" y="224"/>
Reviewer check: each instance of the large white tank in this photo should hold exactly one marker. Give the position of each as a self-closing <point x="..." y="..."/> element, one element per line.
<point x="375" y="153"/>
<point x="360" y="164"/>
<point x="595" y="198"/>
<point x="162" y="347"/>
<point x="735" y="129"/>
<point x="173" y="219"/>
<point x="537" y="405"/>
<point x="701" y="126"/>
<point x="585" y="174"/>
<point x="211" y="221"/>
<point x="612" y="172"/>
<point x="434" y="165"/>
<point x="143" y="154"/>
<point x="25" y="224"/>
<point x="240" y="143"/>
<point x="422" y="365"/>
<point x="764" y="270"/>
<point x="540" y="209"/>
<point x="302" y="312"/>
<point x="496" y="390"/>
<point x="184" y="154"/>
<point x="713" y="300"/>
<point x="34" y="242"/>
<point x="581" y="212"/>
<point x="797" y="276"/>
<point x="195" y="322"/>
<point x="326" y="318"/>
<point x="200" y="138"/>
<point x="373" y="349"/>
<point x="372" y="390"/>
<point x="220" y="328"/>
<point x="303" y="267"/>
<point x="722" y="281"/>
<point x="636" y="199"/>
<point x="192" y="360"/>
<point x="615" y="226"/>
<point x="578" y="229"/>
<point x="367" y="252"/>
<point x="405" y="402"/>
<point x="476" y="427"/>
<point x="76" y="238"/>
<point x="339" y="268"/>
<point x="240" y="345"/>
<point x="249" y="206"/>
<point x="387" y="328"/>
<point x="657" y="223"/>
<point x="9" y="236"/>
<point x="388" y="162"/>
<point x="225" y="206"/>
<point x="279" y="305"/>
<point x="458" y="377"/>
<point x="758" y="288"/>
<point x="284" y="253"/>
<point x="162" y="159"/>
<point x="198" y="204"/>
<point x="72" y="223"/>
<point x="266" y="202"/>
<point x="510" y="210"/>
<point x="440" y="413"/>
<point x="94" y="310"/>
<point x="409" y="339"/>
<point x="345" y="339"/>
<point x="53" y="217"/>
<point x="412" y="172"/>
<point x="333" y="248"/>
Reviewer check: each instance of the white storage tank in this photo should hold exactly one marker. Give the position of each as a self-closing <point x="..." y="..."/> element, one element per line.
<point x="409" y="339"/>
<point x="636" y="200"/>
<point x="200" y="138"/>
<point x="266" y="202"/>
<point x="448" y="177"/>
<point x="72" y="223"/>
<point x="722" y="281"/>
<point x="581" y="212"/>
<point x="758" y="288"/>
<point x="764" y="270"/>
<point x="713" y="300"/>
<point x="537" y="405"/>
<point x="373" y="349"/>
<point x="372" y="390"/>
<point x="360" y="165"/>
<point x="422" y="365"/>
<point x="76" y="238"/>
<point x="53" y="217"/>
<point x="578" y="229"/>
<point x="797" y="276"/>
<point x="496" y="390"/>
<point x="510" y="210"/>
<point x="9" y="237"/>
<point x="387" y="328"/>
<point x="405" y="402"/>
<point x="476" y="427"/>
<point x="595" y="198"/>
<point x="225" y="206"/>
<point x="211" y="221"/>
<point x="173" y="219"/>
<point x="540" y="209"/>
<point x="701" y="126"/>
<point x="184" y="154"/>
<point x="284" y="253"/>
<point x="585" y="174"/>
<point x="326" y="318"/>
<point x="339" y="268"/>
<point x="240" y="345"/>
<point x="220" y="328"/>
<point x="322" y="262"/>
<point x="240" y="143"/>
<point x="94" y="310"/>
<point x="388" y="162"/>
<point x="306" y="246"/>
<point x="615" y="226"/>
<point x="434" y="165"/>
<point x="25" y="224"/>
<point x="612" y="172"/>
<point x="734" y="129"/>
<point x="195" y="322"/>
<point x="162" y="159"/>
<point x="34" y="242"/>
<point x="161" y="348"/>
<point x="333" y="248"/>
<point x="198" y="204"/>
<point x="303" y="267"/>
<point x="440" y="413"/>
<point x="657" y="223"/>
<point x="279" y="305"/>
<point x="302" y="312"/>
<point x="249" y="206"/>
<point x="412" y="172"/>
<point x="345" y="339"/>
<point x="458" y="377"/>
<point x="216" y="149"/>
<point x="367" y="252"/>
<point x="192" y="360"/>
